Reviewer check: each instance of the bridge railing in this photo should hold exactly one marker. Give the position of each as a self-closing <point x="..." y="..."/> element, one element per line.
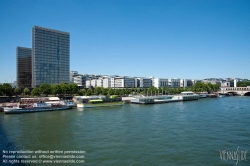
<point x="238" y="89"/>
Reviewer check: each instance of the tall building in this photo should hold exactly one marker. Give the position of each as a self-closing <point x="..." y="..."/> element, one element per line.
<point x="50" y="56"/>
<point x="24" y="72"/>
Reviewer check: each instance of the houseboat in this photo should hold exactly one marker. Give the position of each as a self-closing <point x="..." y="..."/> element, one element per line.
<point x="97" y="101"/>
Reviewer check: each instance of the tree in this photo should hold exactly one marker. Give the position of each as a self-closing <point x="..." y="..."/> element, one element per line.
<point x="127" y="91"/>
<point x="98" y="91"/>
<point x="56" y="89"/>
<point x="64" y="88"/>
<point x="1" y="89"/>
<point x="72" y="88"/>
<point x="201" y="87"/>
<point x="45" y="89"/>
<point x="216" y="87"/>
<point x="111" y="92"/>
<point x="26" y="91"/>
<point x="89" y="92"/>
<point x="117" y="92"/>
<point x="6" y="89"/>
<point x="243" y="83"/>
<point x="35" y="92"/>
<point x="82" y="92"/>
<point x="105" y="91"/>
<point x="17" y="90"/>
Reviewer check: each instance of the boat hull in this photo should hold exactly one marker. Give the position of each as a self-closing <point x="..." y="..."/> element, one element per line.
<point x="88" y="105"/>
<point x="38" y="109"/>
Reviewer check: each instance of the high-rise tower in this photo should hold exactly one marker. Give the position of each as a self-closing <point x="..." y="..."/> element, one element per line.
<point x="24" y="72"/>
<point x="50" y="56"/>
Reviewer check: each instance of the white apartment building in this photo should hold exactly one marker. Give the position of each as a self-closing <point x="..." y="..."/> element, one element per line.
<point x="186" y="83"/>
<point x="78" y="80"/>
<point x="160" y="82"/>
<point x="99" y="82"/>
<point x="72" y="74"/>
<point x="123" y="82"/>
<point x="94" y="82"/>
<point x="88" y="83"/>
<point x="174" y="82"/>
<point x="145" y="82"/>
<point x="106" y="82"/>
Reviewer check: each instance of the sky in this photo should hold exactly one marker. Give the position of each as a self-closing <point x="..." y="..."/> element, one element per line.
<point x="193" y="39"/>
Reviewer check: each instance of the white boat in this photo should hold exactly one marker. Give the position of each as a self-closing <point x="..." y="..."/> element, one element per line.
<point x="189" y="96"/>
<point x="203" y="95"/>
<point x="98" y="101"/>
<point x="39" y="107"/>
<point x="184" y="96"/>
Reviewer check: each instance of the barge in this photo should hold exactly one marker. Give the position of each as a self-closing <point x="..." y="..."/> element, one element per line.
<point x="184" y="96"/>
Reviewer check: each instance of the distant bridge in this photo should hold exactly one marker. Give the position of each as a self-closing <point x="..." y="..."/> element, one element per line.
<point x="243" y="91"/>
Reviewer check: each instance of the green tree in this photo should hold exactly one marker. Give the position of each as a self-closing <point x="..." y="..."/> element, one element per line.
<point x="17" y="90"/>
<point x="6" y="89"/>
<point x="117" y="91"/>
<point x="89" y="92"/>
<point x="35" y="91"/>
<point x="111" y="91"/>
<point x="216" y="87"/>
<point x="64" y="88"/>
<point x="243" y="83"/>
<point x="202" y="87"/>
<point x="105" y="91"/>
<point x="56" y="89"/>
<point x="45" y="89"/>
<point x="82" y="92"/>
<point x="98" y="91"/>
<point x="127" y="91"/>
<point x="72" y="88"/>
<point x="26" y="91"/>
<point x="1" y="89"/>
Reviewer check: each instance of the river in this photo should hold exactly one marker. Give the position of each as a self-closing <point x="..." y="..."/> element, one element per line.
<point x="180" y="133"/>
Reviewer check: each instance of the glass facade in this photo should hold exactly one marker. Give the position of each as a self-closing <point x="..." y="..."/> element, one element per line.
<point x="24" y="72"/>
<point x="50" y="56"/>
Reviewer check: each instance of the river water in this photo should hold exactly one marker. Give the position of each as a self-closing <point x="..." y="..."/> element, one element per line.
<point x="180" y="133"/>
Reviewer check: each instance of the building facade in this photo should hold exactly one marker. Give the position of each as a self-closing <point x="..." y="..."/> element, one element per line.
<point x="145" y="82"/>
<point x="124" y="82"/>
<point x="50" y="56"/>
<point x="24" y="71"/>
<point x="80" y="80"/>
<point x="160" y="82"/>
<point x="72" y="74"/>
<point x="186" y="83"/>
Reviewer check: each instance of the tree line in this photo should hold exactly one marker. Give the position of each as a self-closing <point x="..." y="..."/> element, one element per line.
<point x="72" y="89"/>
<point x="243" y="83"/>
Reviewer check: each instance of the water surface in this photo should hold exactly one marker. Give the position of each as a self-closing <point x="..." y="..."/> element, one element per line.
<point x="180" y="133"/>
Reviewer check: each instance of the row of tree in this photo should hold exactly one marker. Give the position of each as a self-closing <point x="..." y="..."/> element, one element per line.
<point x="198" y="87"/>
<point x="56" y="89"/>
<point x="72" y="89"/>
<point x="243" y="83"/>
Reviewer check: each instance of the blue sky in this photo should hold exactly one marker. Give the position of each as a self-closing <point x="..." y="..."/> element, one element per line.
<point x="162" y="38"/>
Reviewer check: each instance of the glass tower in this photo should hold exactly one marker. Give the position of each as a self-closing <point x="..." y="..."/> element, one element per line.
<point x="24" y="73"/>
<point x="50" y="56"/>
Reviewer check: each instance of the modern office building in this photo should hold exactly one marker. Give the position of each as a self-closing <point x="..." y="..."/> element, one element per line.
<point x="123" y="82"/>
<point x="50" y="56"/>
<point x="24" y="71"/>
<point x="160" y="82"/>
<point x="144" y="82"/>
<point x="186" y="83"/>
